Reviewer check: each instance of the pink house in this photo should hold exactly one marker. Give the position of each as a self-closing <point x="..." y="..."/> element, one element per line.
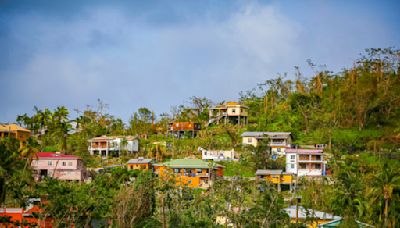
<point x="58" y="166"/>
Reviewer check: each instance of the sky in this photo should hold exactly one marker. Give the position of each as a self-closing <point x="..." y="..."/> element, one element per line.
<point x="158" y="54"/>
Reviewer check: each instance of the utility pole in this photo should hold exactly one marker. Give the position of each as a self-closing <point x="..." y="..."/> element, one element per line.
<point x="163" y="213"/>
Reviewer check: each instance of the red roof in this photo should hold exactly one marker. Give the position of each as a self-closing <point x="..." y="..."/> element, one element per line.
<point x="308" y="151"/>
<point x="55" y="155"/>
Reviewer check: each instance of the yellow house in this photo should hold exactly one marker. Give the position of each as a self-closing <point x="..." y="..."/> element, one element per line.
<point x="229" y="112"/>
<point x="140" y="163"/>
<point x="276" y="177"/>
<point x="311" y="218"/>
<point x="15" y="131"/>
<point x="193" y="173"/>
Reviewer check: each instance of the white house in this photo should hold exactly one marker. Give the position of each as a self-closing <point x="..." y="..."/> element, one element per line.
<point x="113" y="145"/>
<point x="278" y="141"/>
<point x="217" y="155"/>
<point x="305" y="162"/>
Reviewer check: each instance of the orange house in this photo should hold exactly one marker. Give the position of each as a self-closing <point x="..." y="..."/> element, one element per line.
<point x="193" y="173"/>
<point x="15" y="131"/>
<point x="140" y="163"/>
<point x="183" y="129"/>
<point x="20" y="217"/>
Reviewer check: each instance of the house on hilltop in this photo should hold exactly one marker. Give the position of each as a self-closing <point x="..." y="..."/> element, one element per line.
<point x="229" y="112"/>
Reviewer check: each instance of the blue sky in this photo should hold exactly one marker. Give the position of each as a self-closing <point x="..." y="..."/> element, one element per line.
<point x="157" y="54"/>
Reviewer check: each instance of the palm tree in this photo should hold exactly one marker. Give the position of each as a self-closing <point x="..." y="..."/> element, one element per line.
<point x="28" y="152"/>
<point x="61" y="125"/>
<point x="386" y="181"/>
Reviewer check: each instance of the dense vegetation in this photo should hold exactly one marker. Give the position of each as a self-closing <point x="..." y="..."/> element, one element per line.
<point x="356" y="112"/>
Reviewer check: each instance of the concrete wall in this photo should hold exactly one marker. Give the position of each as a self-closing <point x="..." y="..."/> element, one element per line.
<point x="250" y="141"/>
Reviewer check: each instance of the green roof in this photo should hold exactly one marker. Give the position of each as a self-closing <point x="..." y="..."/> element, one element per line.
<point x="188" y="163"/>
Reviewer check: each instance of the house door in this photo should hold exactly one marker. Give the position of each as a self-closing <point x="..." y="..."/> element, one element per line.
<point x="43" y="173"/>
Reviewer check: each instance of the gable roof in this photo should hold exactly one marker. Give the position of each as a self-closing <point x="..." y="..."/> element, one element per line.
<point x="304" y="213"/>
<point x="304" y="151"/>
<point x="139" y="161"/>
<point x="269" y="171"/>
<point x="109" y="138"/>
<point x="229" y="104"/>
<point x="269" y="134"/>
<point x="188" y="163"/>
<point x="12" y="127"/>
<point x="56" y="155"/>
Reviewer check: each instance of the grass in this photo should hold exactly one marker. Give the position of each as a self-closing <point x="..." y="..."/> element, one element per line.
<point x="243" y="169"/>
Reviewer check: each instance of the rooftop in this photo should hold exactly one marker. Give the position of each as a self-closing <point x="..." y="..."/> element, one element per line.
<point x="188" y="163"/>
<point x="104" y="137"/>
<point x="266" y="133"/>
<point x="55" y="155"/>
<point x="12" y="127"/>
<point x="139" y="161"/>
<point x="228" y="104"/>
<point x="304" y="151"/>
<point x="269" y="171"/>
<point x="304" y="213"/>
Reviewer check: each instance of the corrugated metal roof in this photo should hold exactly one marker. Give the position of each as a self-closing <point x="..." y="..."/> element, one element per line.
<point x="102" y="138"/>
<point x="306" y="151"/>
<point x="269" y="171"/>
<point x="55" y="155"/>
<point x="139" y="161"/>
<point x="188" y="163"/>
<point x="304" y="213"/>
<point x="266" y="133"/>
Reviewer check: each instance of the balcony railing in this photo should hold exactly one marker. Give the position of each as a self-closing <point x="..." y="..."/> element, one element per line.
<point x="277" y="144"/>
<point x="194" y="174"/>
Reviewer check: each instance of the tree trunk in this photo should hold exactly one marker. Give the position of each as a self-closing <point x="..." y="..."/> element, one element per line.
<point x="386" y="212"/>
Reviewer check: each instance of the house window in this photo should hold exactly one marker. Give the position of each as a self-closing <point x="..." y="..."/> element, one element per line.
<point x="278" y="150"/>
<point x="249" y="140"/>
<point x="234" y="110"/>
<point x="49" y="163"/>
<point x="64" y="164"/>
<point x="292" y="156"/>
<point x="69" y="163"/>
<point x="292" y="166"/>
<point x="176" y="170"/>
<point x="318" y="166"/>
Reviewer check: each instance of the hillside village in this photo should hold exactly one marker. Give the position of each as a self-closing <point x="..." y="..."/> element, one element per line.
<point x="321" y="151"/>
